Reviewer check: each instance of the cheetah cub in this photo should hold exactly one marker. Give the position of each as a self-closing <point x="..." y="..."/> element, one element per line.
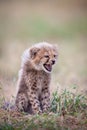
<point x="33" y="95"/>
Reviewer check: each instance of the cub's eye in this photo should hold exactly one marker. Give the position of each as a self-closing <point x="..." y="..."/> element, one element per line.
<point x="54" y="56"/>
<point x="46" y="56"/>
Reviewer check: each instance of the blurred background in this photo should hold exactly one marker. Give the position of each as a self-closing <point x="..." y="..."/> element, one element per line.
<point x="62" y="22"/>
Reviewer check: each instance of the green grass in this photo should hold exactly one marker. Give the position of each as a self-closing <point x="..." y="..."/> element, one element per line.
<point x="66" y="108"/>
<point x="69" y="103"/>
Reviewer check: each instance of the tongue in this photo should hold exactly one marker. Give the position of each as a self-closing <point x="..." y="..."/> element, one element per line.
<point x="48" y="67"/>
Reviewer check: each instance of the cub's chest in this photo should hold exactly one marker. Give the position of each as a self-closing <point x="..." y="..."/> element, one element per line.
<point x="41" y="80"/>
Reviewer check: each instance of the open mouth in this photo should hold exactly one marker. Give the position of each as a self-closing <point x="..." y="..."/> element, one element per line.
<point x="48" y="67"/>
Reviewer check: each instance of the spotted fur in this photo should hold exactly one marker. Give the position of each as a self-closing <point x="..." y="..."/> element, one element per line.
<point x="33" y="94"/>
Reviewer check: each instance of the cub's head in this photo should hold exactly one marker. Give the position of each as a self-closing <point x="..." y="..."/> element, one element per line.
<point x="42" y="56"/>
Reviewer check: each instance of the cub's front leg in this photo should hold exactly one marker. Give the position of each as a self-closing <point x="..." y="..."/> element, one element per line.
<point x="33" y="99"/>
<point x="45" y="99"/>
<point x="32" y="92"/>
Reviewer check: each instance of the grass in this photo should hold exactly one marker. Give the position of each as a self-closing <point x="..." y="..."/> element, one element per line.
<point x="66" y="109"/>
<point x="68" y="102"/>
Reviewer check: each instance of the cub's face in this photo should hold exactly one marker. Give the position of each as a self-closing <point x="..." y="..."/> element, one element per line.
<point x="43" y="58"/>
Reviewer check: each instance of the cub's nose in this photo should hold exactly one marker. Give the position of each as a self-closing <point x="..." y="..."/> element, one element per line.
<point x="53" y="62"/>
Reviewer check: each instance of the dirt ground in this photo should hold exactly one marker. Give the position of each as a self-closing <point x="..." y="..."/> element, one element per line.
<point x="16" y="120"/>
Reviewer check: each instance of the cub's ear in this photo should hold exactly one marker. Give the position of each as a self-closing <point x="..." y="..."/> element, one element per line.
<point x="33" y="52"/>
